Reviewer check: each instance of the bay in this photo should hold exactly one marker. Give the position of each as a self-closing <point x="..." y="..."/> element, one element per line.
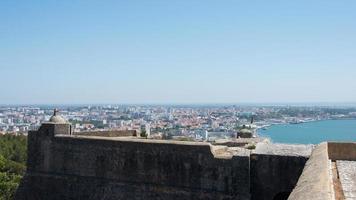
<point x="312" y="132"/>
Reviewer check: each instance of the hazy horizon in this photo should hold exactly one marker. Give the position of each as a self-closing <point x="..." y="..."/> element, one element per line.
<point x="177" y="52"/>
<point x="277" y="104"/>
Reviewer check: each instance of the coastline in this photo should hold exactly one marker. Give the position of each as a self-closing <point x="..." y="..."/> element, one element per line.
<point x="318" y="131"/>
<point x="302" y="122"/>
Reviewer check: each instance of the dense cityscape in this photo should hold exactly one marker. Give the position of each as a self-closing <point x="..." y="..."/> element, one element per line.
<point x="164" y="121"/>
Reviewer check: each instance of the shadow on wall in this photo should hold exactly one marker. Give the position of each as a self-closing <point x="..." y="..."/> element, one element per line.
<point x="282" y="196"/>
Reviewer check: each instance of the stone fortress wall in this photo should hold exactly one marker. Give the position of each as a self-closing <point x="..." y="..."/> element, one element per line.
<point x="66" y="166"/>
<point x="329" y="174"/>
<point x="110" y="133"/>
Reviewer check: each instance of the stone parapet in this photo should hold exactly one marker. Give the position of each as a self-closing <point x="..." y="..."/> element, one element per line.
<point x="316" y="181"/>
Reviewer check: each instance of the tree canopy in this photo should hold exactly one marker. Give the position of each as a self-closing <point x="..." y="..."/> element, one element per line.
<point x="13" y="157"/>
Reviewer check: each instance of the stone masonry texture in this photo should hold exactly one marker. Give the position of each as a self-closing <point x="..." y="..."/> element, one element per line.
<point x="62" y="166"/>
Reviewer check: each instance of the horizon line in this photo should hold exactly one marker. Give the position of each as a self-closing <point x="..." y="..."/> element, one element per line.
<point x="185" y="103"/>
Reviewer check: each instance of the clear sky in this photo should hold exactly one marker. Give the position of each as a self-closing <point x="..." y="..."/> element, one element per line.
<point x="179" y="51"/>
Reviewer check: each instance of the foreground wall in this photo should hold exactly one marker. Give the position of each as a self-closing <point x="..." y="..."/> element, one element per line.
<point x="275" y="170"/>
<point x="315" y="182"/>
<point x="342" y="150"/>
<point x="64" y="166"/>
<point x="320" y="178"/>
<point x="68" y="167"/>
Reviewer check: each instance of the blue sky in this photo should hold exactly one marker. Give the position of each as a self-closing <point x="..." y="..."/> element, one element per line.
<point x="200" y="51"/>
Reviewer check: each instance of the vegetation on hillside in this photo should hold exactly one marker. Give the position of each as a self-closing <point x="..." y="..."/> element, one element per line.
<point x="12" y="164"/>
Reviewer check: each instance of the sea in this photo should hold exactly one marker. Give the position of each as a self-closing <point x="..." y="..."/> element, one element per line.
<point x="312" y="132"/>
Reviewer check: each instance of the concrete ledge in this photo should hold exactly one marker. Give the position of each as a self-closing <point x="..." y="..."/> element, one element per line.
<point x="315" y="181"/>
<point x="298" y="150"/>
<point x="347" y="174"/>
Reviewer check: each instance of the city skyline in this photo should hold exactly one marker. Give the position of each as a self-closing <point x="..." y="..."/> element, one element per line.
<point x="182" y="52"/>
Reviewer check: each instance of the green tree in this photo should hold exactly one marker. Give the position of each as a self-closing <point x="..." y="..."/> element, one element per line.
<point x="12" y="164"/>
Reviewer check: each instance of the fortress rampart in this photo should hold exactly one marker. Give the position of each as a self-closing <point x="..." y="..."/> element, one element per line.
<point x="329" y="174"/>
<point x="66" y="166"/>
<point x="111" y="133"/>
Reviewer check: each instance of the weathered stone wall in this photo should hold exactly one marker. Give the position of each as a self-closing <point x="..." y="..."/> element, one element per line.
<point x="64" y="166"/>
<point x="111" y="133"/>
<point x="342" y="150"/>
<point x="274" y="176"/>
<point x="63" y="187"/>
<point x="67" y="167"/>
<point x="315" y="182"/>
<point x="275" y="169"/>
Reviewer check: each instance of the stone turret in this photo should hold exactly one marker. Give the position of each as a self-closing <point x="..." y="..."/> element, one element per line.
<point x="40" y="142"/>
<point x="56" y="125"/>
<point x="59" y="124"/>
<point x="56" y="118"/>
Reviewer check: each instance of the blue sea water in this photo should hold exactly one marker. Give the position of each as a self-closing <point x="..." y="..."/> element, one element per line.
<point x="312" y="132"/>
